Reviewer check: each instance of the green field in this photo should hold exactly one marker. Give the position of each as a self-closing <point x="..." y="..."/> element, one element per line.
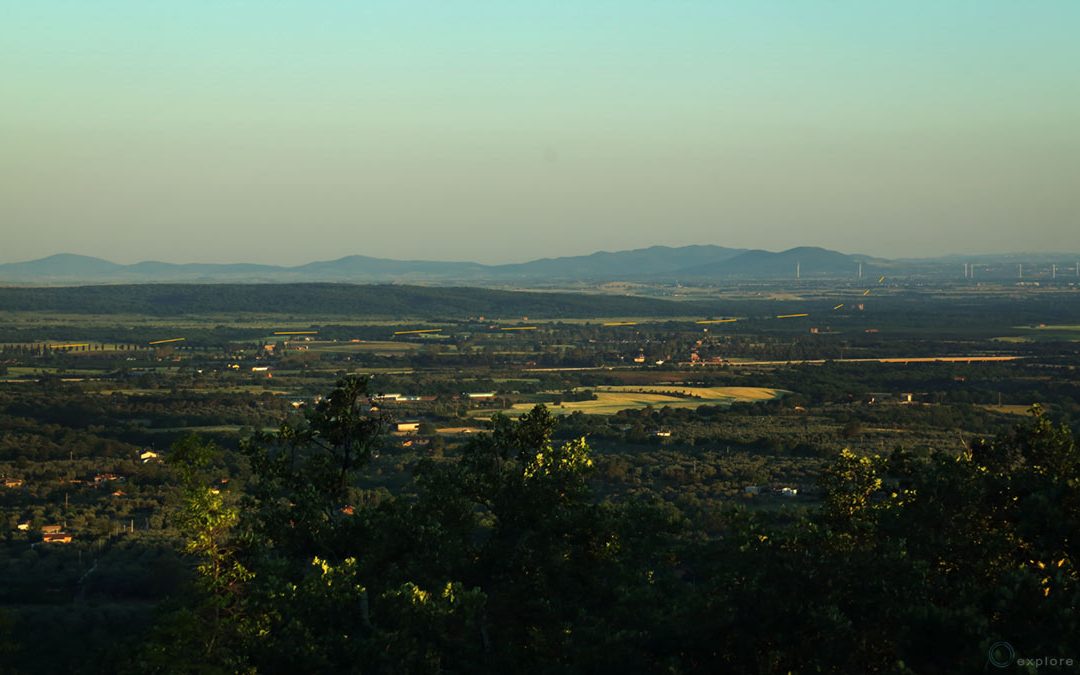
<point x="1050" y="332"/>
<point x="367" y="346"/>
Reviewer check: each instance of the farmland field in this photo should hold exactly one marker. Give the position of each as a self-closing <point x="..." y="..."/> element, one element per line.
<point x="375" y="347"/>
<point x="708" y="394"/>
<point x="610" y="400"/>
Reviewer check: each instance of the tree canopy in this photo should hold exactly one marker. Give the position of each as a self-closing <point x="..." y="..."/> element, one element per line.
<point x="504" y="559"/>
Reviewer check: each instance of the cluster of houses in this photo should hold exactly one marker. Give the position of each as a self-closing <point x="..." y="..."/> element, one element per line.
<point x="903" y="398"/>
<point x="400" y="398"/>
<point x="412" y="426"/>
<point x="50" y="534"/>
<point x="146" y="456"/>
<point x="785" y="491"/>
<point x="104" y="479"/>
<point x="697" y="360"/>
<point x="54" y="534"/>
<point x="409" y="398"/>
<point x="640" y="359"/>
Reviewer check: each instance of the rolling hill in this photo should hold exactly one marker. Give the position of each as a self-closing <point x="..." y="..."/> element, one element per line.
<point x="699" y="264"/>
<point x="647" y="264"/>
<point x="812" y="261"/>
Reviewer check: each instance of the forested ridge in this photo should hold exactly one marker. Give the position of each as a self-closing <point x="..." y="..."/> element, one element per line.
<point x="911" y="312"/>
<point x="326" y="298"/>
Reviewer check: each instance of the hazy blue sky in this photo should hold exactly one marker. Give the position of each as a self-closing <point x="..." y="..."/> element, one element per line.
<point x="504" y="130"/>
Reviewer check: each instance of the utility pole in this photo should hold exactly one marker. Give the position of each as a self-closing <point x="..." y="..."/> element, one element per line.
<point x="860" y="270"/>
<point x="798" y="271"/>
<point x="1020" y="266"/>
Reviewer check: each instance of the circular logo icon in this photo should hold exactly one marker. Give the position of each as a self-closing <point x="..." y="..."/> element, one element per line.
<point x="1001" y="654"/>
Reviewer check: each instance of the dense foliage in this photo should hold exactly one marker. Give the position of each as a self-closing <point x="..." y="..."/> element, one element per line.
<point x="328" y="299"/>
<point x="503" y="560"/>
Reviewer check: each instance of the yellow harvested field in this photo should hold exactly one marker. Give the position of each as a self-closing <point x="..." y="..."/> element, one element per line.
<point x="712" y="393"/>
<point x="610" y="400"/>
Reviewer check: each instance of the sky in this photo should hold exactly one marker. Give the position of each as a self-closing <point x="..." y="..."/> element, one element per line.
<point x="505" y="130"/>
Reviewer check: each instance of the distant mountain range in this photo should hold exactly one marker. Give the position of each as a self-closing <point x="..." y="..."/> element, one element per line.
<point x="696" y="264"/>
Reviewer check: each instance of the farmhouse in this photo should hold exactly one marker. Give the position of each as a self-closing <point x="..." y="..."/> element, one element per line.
<point x="407" y="426"/>
<point x="13" y="482"/>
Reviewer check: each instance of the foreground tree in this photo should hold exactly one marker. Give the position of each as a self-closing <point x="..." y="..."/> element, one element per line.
<point x="501" y="559"/>
<point x="908" y="566"/>
<point x="498" y="560"/>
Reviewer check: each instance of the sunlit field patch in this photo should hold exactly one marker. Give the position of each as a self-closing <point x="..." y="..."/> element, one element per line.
<point x="610" y="400"/>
